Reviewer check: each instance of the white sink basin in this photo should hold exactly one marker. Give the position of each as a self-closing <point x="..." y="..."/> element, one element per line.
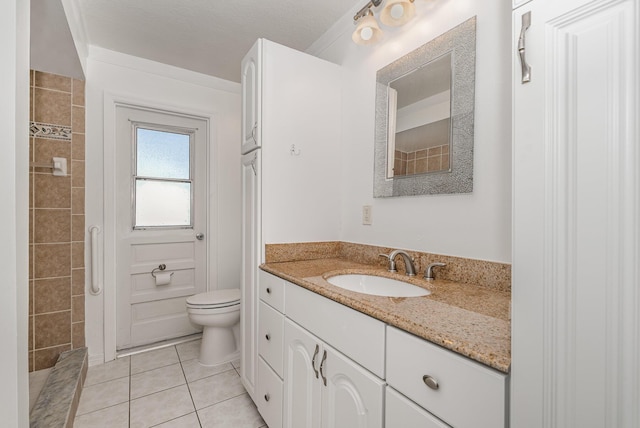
<point x="377" y="285"/>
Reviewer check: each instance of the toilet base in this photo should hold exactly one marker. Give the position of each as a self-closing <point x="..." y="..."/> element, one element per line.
<point x="218" y="346"/>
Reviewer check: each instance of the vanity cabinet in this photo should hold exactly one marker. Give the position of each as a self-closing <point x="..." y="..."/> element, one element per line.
<point x="403" y="413"/>
<point x="461" y="392"/>
<point x="270" y="361"/>
<point x="342" y="368"/>
<point x="323" y="388"/>
<point x="326" y="347"/>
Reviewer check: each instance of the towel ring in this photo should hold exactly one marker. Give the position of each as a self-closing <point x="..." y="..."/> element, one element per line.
<point x="160" y="267"/>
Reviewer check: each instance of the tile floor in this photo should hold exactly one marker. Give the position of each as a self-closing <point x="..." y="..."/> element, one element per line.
<point x="166" y="388"/>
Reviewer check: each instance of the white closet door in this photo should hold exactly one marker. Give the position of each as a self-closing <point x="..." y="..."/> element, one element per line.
<point x="576" y="239"/>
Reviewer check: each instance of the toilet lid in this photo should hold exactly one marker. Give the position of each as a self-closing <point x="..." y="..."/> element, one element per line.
<point x="216" y="297"/>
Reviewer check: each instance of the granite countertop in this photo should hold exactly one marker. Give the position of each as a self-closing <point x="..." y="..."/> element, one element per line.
<point x="471" y="320"/>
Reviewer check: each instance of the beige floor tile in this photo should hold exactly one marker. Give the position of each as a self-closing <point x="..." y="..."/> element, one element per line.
<point x="156" y="380"/>
<point x="108" y="371"/>
<point x="188" y="350"/>
<point x="112" y="417"/>
<point x="193" y="370"/>
<point x="160" y="407"/>
<point x="217" y="388"/>
<point x="103" y="395"/>
<point x="153" y="359"/>
<point x="238" y="412"/>
<point x="188" y="421"/>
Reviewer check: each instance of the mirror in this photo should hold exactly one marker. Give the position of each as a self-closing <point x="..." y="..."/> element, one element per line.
<point x="424" y="118"/>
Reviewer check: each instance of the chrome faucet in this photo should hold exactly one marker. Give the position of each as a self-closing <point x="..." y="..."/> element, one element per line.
<point x="408" y="262"/>
<point x="428" y="273"/>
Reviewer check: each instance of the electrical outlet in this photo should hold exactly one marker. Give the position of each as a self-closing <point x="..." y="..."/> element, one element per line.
<point x="367" y="215"/>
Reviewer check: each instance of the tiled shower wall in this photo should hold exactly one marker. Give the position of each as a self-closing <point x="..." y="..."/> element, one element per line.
<point x="421" y="161"/>
<point x="56" y="228"/>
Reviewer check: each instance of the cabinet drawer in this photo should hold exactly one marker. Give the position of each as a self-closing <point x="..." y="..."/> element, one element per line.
<point x="468" y="394"/>
<point x="269" y="396"/>
<point x="272" y="290"/>
<point x="355" y="334"/>
<point x="271" y="337"/>
<point x="402" y="413"/>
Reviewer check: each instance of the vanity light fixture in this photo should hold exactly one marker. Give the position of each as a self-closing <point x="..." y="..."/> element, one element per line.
<point x="394" y="14"/>
<point x="397" y="12"/>
<point x="368" y="31"/>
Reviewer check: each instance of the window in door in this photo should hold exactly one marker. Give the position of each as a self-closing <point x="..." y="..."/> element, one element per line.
<point x="162" y="191"/>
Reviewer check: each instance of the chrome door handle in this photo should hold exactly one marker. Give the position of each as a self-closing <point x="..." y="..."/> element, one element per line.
<point x="313" y="360"/>
<point x="324" y="358"/>
<point x="199" y="236"/>
<point x="526" y="69"/>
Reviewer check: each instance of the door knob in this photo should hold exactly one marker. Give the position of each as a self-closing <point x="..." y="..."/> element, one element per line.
<point x="199" y="236"/>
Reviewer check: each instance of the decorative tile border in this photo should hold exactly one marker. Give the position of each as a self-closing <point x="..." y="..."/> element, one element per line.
<point x="46" y="130"/>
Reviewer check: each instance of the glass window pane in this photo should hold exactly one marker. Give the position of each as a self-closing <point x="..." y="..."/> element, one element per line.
<point x="162" y="203"/>
<point x="162" y="154"/>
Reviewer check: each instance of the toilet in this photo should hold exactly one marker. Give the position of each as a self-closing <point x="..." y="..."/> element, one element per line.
<point x="218" y="312"/>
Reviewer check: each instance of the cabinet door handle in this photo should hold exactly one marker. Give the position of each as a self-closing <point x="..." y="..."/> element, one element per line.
<point x="267" y="336"/>
<point x="431" y="382"/>
<point x="266" y="397"/>
<point x="313" y="360"/>
<point x="324" y="358"/>
<point x="526" y="69"/>
<point x="268" y="290"/>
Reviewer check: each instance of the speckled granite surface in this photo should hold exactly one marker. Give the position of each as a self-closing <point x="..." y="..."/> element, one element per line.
<point x="471" y="320"/>
<point x="494" y="275"/>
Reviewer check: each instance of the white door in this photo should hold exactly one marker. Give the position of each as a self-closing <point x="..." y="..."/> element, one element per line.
<point x="251" y="258"/>
<point x="576" y="240"/>
<point x="302" y="394"/>
<point x="160" y="222"/>
<point x="351" y="396"/>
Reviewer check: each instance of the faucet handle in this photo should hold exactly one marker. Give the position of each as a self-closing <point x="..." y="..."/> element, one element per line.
<point x="428" y="273"/>
<point x="392" y="263"/>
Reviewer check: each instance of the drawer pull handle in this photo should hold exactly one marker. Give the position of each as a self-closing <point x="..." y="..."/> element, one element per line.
<point x="267" y="336"/>
<point x="313" y="360"/>
<point x="266" y="397"/>
<point x="430" y="382"/>
<point x="268" y="290"/>
<point x="324" y="358"/>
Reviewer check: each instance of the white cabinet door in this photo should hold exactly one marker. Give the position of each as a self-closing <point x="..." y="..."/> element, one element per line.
<point x="576" y="230"/>
<point x="251" y="257"/>
<point x="302" y="392"/>
<point x="251" y="98"/>
<point x="351" y="396"/>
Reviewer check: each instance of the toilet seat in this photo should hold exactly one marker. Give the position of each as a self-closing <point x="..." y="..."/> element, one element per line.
<point x="214" y="299"/>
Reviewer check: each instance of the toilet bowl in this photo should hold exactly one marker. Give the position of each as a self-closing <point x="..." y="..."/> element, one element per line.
<point x="218" y="312"/>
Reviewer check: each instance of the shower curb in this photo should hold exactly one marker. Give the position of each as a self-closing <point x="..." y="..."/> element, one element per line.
<point x="58" y="401"/>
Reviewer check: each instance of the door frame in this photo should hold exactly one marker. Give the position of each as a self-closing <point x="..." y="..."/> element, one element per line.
<point x="112" y="100"/>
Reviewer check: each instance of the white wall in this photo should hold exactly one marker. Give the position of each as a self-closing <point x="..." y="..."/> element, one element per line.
<point x="476" y="225"/>
<point x="14" y="212"/>
<point x="114" y="75"/>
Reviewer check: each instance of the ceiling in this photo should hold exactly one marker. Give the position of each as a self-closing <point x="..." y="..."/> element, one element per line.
<point x="207" y="36"/>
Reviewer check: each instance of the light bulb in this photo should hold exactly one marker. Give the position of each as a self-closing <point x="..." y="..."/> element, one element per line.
<point x="397" y="10"/>
<point x="366" y="33"/>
